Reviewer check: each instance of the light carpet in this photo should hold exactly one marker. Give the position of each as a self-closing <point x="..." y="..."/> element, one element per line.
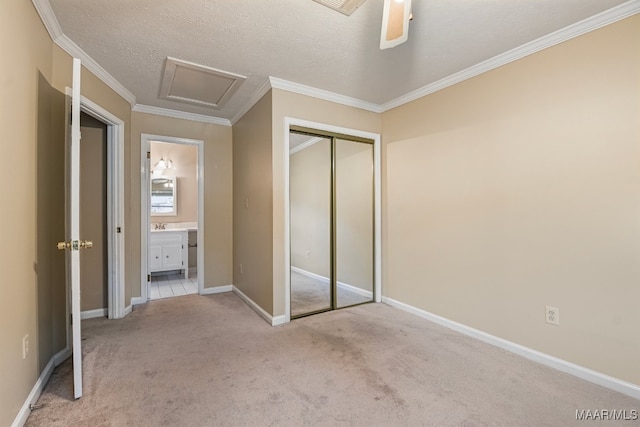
<point x="211" y="361"/>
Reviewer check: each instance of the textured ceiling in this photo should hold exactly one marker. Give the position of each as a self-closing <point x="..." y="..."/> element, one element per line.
<point x="304" y="42"/>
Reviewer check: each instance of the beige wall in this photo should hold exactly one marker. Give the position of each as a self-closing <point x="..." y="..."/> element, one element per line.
<point x="50" y="208"/>
<point x="252" y="204"/>
<point x="27" y="48"/>
<point x="93" y="213"/>
<point x="521" y="188"/>
<point x="218" y="214"/>
<point x="288" y="104"/>
<point x="185" y="161"/>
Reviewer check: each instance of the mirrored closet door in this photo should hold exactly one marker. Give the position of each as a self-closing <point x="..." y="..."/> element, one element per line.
<point x="332" y="221"/>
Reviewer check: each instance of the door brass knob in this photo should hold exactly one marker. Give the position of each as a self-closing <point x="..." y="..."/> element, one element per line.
<point x="63" y="245"/>
<point x="86" y="244"/>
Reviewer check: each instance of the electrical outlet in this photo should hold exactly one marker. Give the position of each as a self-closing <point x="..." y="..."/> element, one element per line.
<point x="552" y="315"/>
<point x="308" y="254"/>
<point x="25" y="346"/>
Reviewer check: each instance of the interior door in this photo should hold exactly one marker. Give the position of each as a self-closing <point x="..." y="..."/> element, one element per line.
<point x="74" y="212"/>
<point x="73" y="244"/>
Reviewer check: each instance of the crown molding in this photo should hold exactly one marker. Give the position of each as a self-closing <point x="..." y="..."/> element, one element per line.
<point x="48" y="17"/>
<point x="632" y="7"/>
<point x="301" y="89"/>
<point x="579" y="28"/>
<point x="44" y="9"/>
<point x="165" y="112"/>
<point x="257" y="96"/>
<point x="74" y="50"/>
<point x="592" y="23"/>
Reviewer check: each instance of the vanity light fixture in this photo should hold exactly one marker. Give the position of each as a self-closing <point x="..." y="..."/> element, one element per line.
<point x="163" y="165"/>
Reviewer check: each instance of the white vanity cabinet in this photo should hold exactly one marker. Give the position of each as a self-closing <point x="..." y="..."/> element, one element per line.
<point x="168" y="250"/>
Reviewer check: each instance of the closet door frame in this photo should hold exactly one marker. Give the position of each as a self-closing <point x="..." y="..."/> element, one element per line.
<point x="334" y="132"/>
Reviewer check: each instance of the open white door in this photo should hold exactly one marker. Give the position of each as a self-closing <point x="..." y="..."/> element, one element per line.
<point x="74" y="244"/>
<point x="74" y="212"/>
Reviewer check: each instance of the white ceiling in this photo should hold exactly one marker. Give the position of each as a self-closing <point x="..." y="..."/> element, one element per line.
<point x="304" y="42"/>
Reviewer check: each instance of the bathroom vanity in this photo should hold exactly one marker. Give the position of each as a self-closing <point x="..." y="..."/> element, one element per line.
<point x="168" y="250"/>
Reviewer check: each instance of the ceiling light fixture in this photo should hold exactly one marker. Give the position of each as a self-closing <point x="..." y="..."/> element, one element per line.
<point x="395" y="23"/>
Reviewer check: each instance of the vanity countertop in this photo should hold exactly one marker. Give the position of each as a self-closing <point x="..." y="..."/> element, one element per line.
<point x="176" y="226"/>
<point x="169" y="230"/>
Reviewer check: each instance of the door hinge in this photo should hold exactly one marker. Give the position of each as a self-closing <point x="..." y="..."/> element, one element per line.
<point x="118" y="229"/>
<point x="148" y="277"/>
<point x="148" y="154"/>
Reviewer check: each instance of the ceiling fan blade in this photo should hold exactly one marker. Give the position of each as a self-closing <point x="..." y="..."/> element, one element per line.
<point x="395" y="23"/>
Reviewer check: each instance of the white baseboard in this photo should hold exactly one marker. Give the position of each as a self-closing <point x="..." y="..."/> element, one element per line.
<point x="138" y="300"/>
<point x="217" y="290"/>
<point x="92" y="314"/>
<point x="323" y="279"/>
<point x="61" y="356"/>
<point x="587" y="374"/>
<point x="273" y="321"/>
<point x="36" y="391"/>
<point x="127" y="310"/>
<point x="278" y="320"/>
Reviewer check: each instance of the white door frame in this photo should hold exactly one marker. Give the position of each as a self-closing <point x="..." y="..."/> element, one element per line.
<point x="145" y="223"/>
<point x="377" y="283"/>
<point x="115" y="206"/>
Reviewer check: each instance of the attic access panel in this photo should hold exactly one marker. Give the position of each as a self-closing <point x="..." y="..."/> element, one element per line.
<point x="192" y="83"/>
<point x="343" y="6"/>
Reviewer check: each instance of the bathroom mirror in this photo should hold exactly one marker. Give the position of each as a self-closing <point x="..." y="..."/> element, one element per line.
<point x="163" y="196"/>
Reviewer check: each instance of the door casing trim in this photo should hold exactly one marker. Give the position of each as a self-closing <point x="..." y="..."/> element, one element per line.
<point x="115" y="205"/>
<point x="145" y="222"/>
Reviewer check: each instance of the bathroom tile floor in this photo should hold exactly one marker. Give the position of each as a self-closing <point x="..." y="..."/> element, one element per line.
<point x="173" y="285"/>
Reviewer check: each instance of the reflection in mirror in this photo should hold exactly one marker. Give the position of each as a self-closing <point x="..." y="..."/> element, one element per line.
<point x="310" y="210"/>
<point x="354" y="222"/>
<point x="163" y="196"/>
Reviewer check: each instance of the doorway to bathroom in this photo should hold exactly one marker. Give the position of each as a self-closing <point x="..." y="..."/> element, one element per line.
<point x="332" y="221"/>
<point x="172" y="223"/>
